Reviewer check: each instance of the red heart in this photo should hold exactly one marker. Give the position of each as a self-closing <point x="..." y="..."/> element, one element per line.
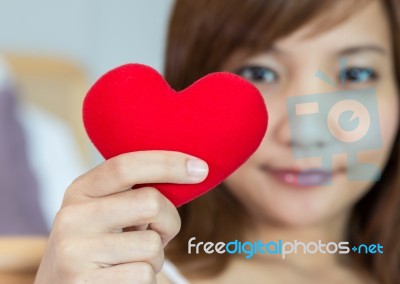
<point x="221" y="119"/>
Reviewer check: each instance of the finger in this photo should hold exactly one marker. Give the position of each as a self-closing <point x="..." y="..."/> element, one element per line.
<point x="124" y="171"/>
<point x="133" y="208"/>
<point x="136" y="228"/>
<point x="127" y="247"/>
<point x="127" y="273"/>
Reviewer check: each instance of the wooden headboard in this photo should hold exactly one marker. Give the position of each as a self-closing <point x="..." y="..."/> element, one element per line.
<point x="57" y="85"/>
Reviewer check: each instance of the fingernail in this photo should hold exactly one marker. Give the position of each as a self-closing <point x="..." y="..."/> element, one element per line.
<point x="197" y="169"/>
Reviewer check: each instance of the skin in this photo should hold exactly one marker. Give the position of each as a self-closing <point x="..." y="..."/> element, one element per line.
<point x="88" y="244"/>
<point x="280" y="210"/>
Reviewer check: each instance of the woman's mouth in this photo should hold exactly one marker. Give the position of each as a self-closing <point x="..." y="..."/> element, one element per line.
<point x="301" y="178"/>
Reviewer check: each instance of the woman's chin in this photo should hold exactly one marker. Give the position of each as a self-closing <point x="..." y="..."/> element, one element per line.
<point x="287" y="215"/>
<point x="273" y="200"/>
<point x="280" y="211"/>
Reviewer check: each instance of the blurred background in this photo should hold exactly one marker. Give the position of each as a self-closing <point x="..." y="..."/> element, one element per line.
<point x="98" y="34"/>
<point x="50" y="54"/>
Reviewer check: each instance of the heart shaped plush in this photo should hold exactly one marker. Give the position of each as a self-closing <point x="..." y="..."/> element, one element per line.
<point x="221" y="119"/>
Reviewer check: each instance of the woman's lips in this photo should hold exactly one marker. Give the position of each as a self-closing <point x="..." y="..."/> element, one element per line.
<point x="305" y="178"/>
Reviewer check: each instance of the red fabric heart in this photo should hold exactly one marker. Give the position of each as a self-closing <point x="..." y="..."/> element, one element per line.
<point x="221" y="119"/>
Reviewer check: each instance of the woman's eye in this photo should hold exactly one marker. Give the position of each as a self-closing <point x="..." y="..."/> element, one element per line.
<point x="358" y="75"/>
<point x="258" y="74"/>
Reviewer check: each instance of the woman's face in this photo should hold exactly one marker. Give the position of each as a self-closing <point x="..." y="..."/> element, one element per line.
<point x="355" y="54"/>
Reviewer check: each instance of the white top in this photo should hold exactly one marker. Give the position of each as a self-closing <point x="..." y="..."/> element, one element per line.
<point x="172" y="273"/>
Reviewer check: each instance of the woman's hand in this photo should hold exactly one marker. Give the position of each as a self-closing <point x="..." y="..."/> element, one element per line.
<point x="90" y="242"/>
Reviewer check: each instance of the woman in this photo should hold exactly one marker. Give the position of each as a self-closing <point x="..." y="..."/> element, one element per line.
<point x="278" y="45"/>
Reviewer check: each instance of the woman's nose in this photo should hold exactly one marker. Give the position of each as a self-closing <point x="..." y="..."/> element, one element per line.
<point x="304" y="124"/>
<point x="308" y="130"/>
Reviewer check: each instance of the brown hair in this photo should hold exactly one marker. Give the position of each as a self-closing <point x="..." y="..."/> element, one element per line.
<point x="202" y="35"/>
